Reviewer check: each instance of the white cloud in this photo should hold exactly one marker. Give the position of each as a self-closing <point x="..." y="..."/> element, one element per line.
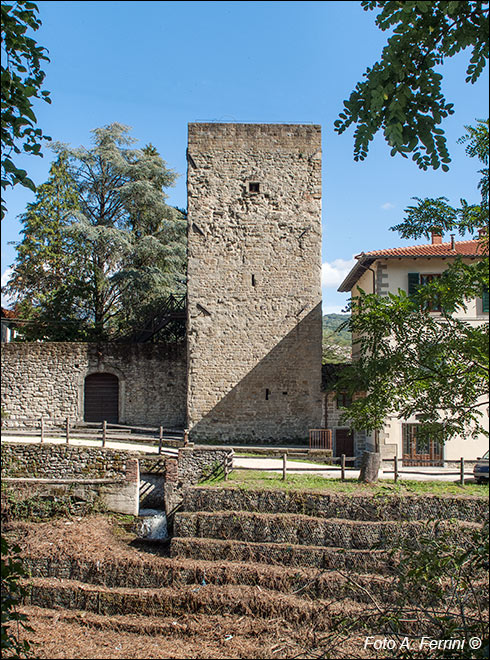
<point x="334" y="273"/>
<point x="387" y="206"/>
<point x="6" y="275"/>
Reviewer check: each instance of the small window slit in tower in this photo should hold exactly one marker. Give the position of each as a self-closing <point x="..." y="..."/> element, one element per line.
<point x="253" y="280"/>
<point x="267" y="394"/>
<point x="253" y="187"/>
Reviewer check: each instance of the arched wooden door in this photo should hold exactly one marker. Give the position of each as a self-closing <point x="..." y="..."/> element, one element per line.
<point x="101" y="400"/>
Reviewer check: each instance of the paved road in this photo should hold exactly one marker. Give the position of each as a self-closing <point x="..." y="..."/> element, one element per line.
<point x="77" y="442"/>
<point x="272" y="464"/>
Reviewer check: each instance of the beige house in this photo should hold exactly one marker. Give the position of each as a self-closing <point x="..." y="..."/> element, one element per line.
<point x="387" y="271"/>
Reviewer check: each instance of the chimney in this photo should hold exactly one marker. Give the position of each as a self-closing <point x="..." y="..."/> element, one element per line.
<point x="436" y="236"/>
<point x="452" y="242"/>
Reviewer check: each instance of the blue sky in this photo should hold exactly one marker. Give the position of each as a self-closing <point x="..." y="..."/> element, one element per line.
<point x="156" y="66"/>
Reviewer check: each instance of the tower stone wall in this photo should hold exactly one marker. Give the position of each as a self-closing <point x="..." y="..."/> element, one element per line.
<point x="254" y="281"/>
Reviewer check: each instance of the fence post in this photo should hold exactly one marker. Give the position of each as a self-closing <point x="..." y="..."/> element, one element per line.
<point x="395" y="461"/>
<point x="104" y="432"/>
<point x="342" y="467"/>
<point x="67" y="430"/>
<point x="227" y="467"/>
<point x="284" y="466"/>
<point x="42" y="429"/>
<point x="160" y="440"/>
<point x="461" y="469"/>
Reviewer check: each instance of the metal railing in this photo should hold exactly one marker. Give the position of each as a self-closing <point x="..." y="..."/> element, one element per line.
<point x="320" y="439"/>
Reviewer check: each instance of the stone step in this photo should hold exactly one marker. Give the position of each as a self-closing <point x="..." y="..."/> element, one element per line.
<point x="324" y="613"/>
<point x="186" y="600"/>
<point x="309" y="582"/>
<point x="337" y="505"/>
<point x="358" y="583"/>
<point x="380" y="562"/>
<point x="308" y="530"/>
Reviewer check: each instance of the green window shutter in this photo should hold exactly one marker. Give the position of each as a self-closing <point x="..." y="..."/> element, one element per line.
<point x="413" y="283"/>
<point x="484" y="300"/>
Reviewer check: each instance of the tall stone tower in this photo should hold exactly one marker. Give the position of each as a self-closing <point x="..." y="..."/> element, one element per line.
<point x="254" y="281"/>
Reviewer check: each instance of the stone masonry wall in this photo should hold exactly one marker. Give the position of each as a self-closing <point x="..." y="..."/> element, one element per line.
<point x="164" y="479"/>
<point x="72" y="474"/>
<point x="254" y="281"/>
<point x="49" y="461"/>
<point x="338" y="505"/>
<point x="47" y="379"/>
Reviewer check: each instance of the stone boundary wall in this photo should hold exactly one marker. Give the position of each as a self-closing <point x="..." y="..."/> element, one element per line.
<point x="190" y="466"/>
<point x="337" y="505"/>
<point x="47" y="379"/>
<point x="49" y="461"/>
<point x="73" y="474"/>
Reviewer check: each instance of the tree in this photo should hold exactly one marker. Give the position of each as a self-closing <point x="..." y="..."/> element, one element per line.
<point x="401" y="94"/>
<point x="22" y="80"/>
<point x="125" y="247"/>
<point x="50" y="271"/>
<point x="13" y="593"/>
<point x="412" y="362"/>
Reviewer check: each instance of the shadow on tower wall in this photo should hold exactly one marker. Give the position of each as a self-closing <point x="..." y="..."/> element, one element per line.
<point x="278" y="400"/>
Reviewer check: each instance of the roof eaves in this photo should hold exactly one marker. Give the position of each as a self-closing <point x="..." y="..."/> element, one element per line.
<point x="363" y="264"/>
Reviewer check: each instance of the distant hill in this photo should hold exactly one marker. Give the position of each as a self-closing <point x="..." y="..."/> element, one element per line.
<point x="336" y="343"/>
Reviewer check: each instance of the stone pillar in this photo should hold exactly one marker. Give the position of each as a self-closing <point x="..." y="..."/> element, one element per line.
<point x="254" y="282"/>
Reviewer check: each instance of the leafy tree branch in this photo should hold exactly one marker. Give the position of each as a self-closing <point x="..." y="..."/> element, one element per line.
<point x="401" y="94"/>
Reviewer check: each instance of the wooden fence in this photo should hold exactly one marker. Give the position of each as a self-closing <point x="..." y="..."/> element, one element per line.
<point x="343" y="469"/>
<point x="56" y="427"/>
<point x="396" y="470"/>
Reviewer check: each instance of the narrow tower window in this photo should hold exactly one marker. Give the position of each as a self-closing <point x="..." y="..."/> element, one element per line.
<point x="267" y="394"/>
<point x="254" y="187"/>
<point x="253" y="280"/>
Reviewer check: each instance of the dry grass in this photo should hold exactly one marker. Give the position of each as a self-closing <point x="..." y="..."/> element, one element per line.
<point x="76" y="634"/>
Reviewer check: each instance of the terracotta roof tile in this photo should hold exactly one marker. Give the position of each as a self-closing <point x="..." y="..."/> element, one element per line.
<point x="365" y="259"/>
<point x="8" y="313"/>
<point x="466" y="248"/>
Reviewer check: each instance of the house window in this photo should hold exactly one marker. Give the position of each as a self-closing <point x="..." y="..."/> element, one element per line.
<point x="484" y="301"/>
<point x="344" y="400"/>
<point x="433" y="305"/>
<point x="254" y="187"/>
<point x="413" y="283"/>
<point x="419" y="448"/>
<point x="416" y="280"/>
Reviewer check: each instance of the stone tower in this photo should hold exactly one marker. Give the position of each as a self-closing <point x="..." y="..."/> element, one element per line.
<point x="254" y="281"/>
